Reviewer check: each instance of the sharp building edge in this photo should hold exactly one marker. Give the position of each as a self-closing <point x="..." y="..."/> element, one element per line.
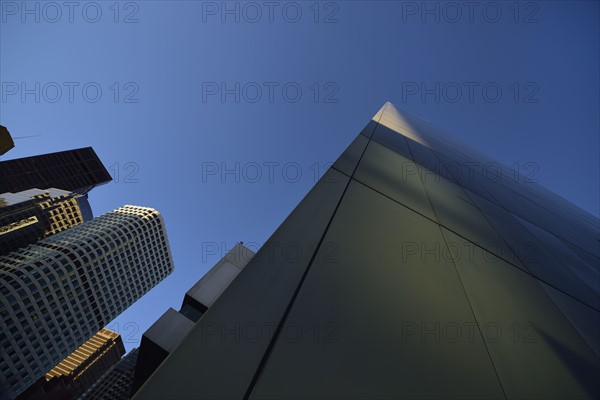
<point x="426" y="270"/>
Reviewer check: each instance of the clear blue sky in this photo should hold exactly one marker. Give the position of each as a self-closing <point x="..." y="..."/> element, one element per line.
<point x="347" y="58"/>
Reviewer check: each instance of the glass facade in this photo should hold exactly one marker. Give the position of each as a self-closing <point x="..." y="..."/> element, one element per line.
<point x="59" y="292"/>
<point x="427" y="270"/>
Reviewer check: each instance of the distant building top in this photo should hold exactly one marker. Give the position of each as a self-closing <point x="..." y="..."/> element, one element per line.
<point x="6" y="141"/>
<point x="78" y="170"/>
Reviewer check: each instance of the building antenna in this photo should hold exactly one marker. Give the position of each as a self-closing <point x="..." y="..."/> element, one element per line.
<point x="25" y="137"/>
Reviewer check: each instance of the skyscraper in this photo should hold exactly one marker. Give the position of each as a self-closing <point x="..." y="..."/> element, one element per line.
<point x="427" y="270"/>
<point x="78" y="170"/>
<point x="31" y="215"/>
<point x="59" y="292"/>
<point x="79" y="370"/>
<point x="115" y="384"/>
<point x="89" y="361"/>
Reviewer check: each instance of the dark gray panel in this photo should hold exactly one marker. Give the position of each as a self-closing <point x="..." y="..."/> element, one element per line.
<point x="585" y="319"/>
<point x="560" y="225"/>
<point x="455" y="211"/>
<point x="358" y="328"/>
<point x="157" y="342"/>
<point x="395" y="176"/>
<point x="349" y="159"/>
<point x="168" y="331"/>
<point x="369" y="129"/>
<point x="465" y="173"/>
<point x="590" y="259"/>
<point x="219" y="357"/>
<point x="424" y="157"/>
<point x="535" y="349"/>
<point x="534" y="255"/>
<point x="585" y="272"/>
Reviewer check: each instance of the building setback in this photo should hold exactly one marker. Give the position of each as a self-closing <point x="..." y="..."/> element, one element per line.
<point x="78" y="171"/>
<point x="427" y="270"/>
<point x="59" y="292"/>
<point x="166" y="333"/>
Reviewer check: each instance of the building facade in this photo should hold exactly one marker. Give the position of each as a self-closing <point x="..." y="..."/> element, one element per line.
<point x="79" y="370"/>
<point x="427" y="270"/>
<point x="89" y="361"/>
<point x="115" y="384"/>
<point x="58" y="293"/>
<point x="165" y="335"/>
<point x="78" y="171"/>
<point x="31" y="215"/>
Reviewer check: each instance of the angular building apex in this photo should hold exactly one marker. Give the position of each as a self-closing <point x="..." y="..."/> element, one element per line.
<point x="387" y="310"/>
<point x="379" y="113"/>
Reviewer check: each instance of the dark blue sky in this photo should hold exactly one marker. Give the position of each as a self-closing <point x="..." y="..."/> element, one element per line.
<point x="518" y="81"/>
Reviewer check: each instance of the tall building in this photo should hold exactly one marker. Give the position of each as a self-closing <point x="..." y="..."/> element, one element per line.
<point x="115" y="384"/>
<point x="59" y="292"/>
<point x="167" y="332"/>
<point x="6" y="141"/>
<point x="79" y="370"/>
<point x="78" y="171"/>
<point x="89" y="361"/>
<point x="426" y="270"/>
<point x="31" y="215"/>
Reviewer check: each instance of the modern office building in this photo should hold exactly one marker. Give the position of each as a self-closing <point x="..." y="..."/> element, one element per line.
<point x="59" y="292"/>
<point x="427" y="270"/>
<point x="168" y="331"/>
<point x="31" y="215"/>
<point x="115" y="384"/>
<point x="78" y="171"/>
<point x="79" y="370"/>
<point x="6" y="141"/>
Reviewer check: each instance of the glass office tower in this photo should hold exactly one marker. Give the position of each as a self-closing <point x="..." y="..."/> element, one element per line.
<point x="59" y="292"/>
<point x="427" y="271"/>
